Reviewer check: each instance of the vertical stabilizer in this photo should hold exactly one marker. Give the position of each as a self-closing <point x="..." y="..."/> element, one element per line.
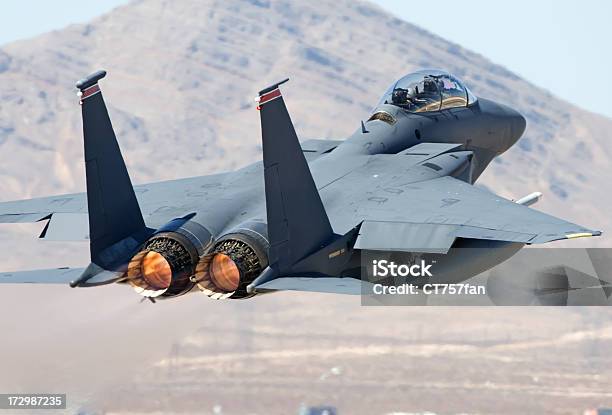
<point x="114" y="213"/>
<point x="297" y="222"/>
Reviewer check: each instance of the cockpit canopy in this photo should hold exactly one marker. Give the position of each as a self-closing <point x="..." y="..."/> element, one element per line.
<point x="428" y="90"/>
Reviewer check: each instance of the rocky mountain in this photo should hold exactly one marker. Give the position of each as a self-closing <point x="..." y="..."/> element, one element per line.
<point x="182" y="77"/>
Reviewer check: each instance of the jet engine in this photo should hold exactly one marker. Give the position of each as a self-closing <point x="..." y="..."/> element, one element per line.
<point x="234" y="262"/>
<point x="166" y="262"/>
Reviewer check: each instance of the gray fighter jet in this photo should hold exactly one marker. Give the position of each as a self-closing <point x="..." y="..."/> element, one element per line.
<point x="301" y="219"/>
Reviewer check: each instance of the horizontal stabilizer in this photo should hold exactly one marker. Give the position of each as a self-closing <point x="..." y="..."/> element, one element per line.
<point x="91" y="276"/>
<point x="43" y="276"/>
<point x="408" y="237"/>
<point x="350" y="286"/>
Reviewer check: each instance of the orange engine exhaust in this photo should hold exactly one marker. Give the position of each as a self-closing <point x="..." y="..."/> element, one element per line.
<point x="156" y="271"/>
<point x="224" y="273"/>
<point x="234" y="262"/>
<point x="163" y="267"/>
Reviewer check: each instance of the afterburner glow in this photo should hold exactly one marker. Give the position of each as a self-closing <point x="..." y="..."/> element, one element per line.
<point x="156" y="271"/>
<point x="224" y="273"/>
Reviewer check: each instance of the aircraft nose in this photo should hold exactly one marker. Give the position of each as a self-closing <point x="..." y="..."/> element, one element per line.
<point x="518" y="123"/>
<point x="509" y="123"/>
<point x="515" y="125"/>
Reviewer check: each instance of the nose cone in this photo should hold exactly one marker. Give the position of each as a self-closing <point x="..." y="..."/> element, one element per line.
<point x="517" y="124"/>
<point x="508" y="123"/>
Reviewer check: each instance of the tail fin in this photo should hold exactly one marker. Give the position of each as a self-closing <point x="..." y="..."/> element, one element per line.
<point x="297" y="222"/>
<point x="114" y="213"/>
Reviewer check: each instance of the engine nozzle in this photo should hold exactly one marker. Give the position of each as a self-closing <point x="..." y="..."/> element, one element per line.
<point x="163" y="266"/>
<point x="234" y="262"/>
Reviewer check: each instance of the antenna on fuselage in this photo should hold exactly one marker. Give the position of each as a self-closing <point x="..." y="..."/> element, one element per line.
<point x="363" y="128"/>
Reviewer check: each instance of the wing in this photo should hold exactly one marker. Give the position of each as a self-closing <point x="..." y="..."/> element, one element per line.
<point x="409" y="205"/>
<point x="159" y="202"/>
<point x="67" y="214"/>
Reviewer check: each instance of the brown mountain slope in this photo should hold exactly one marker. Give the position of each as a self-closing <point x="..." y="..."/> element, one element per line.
<point x="182" y="77"/>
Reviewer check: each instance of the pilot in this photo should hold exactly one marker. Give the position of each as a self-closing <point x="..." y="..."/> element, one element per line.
<point x="400" y="96"/>
<point x="429" y="86"/>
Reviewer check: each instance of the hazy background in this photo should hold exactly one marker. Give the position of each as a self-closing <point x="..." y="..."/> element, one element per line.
<point x="180" y="88"/>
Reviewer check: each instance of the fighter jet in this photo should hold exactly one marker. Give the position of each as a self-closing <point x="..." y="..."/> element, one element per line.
<point x="301" y="218"/>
